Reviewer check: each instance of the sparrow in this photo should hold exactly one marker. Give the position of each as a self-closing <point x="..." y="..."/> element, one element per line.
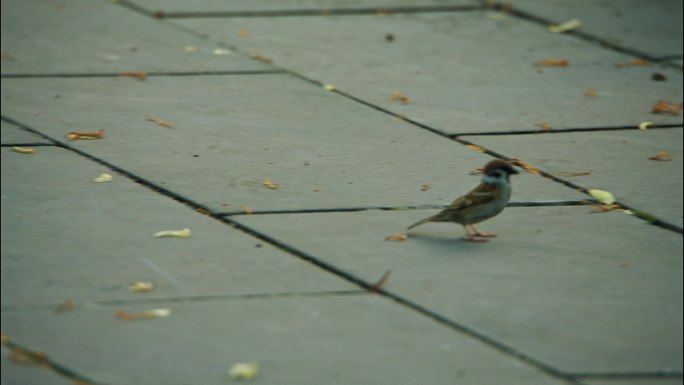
<point x="486" y="200"/>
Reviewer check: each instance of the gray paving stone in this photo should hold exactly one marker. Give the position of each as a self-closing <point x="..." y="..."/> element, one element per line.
<point x="232" y="132"/>
<point x="455" y="85"/>
<point x="43" y="36"/>
<point x="11" y="134"/>
<point x="633" y="382"/>
<point x="618" y="162"/>
<point x="343" y="340"/>
<point x="13" y="374"/>
<point x="653" y="27"/>
<point x="582" y="292"/>
<point x="247" y="5"/>
<point x="65" y="237"/>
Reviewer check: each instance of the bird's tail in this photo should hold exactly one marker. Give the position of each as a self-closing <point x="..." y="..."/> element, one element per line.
<point x="420" y="222"/>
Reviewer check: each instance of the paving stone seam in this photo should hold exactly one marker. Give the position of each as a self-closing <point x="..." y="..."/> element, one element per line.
<point x="658" y="375"/>
<point x="328" y="267"/>
<point x="40" y="358"/>
<point x="566" y="130"/>
<point x="603" y="43"/>
<point x="95" y="304"/>
<point x="399" y="208"/>
<point x="146" y="74"/>
<point x="160" y="14"/>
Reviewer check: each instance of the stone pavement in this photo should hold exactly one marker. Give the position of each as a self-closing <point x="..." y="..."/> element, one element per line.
<point x="298" y="92"/>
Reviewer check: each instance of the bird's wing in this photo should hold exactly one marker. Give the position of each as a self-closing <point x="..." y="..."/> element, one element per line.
<point x="480" y="195"/>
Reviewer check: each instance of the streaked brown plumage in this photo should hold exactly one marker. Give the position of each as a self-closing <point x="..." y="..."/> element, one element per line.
<point x="486" y="200"/>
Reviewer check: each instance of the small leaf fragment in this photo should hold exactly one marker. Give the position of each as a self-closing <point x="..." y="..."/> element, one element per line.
<point x="552" y="63"/>
<point x="23" y="150"/>
<point x="662" y="156"/>
<point x="160" y="122"/>
<point x="665" y="107"/>
<point x="261" y="58"/>
<point x="425" y="187"/>
<point x="593" y="92"/>
<point x="634" y="63"/>
<point x="268" y="183"/>
<point x="380" y="283"/>
<point x="104" y="177"/>
<point x="604" y="197"/>
<point x="328" y="87"/>
<point x="138" y="75"/>
<point x="396" y="237"/>
<point x="184" y="233"/>
<point x="399" y="97"/>
<point x="566" y="26"/>
<point x="87" y="135"/>
<point x="141" y="287"/>
<point x="643" y="126"/>
<point x="244" y="370"/>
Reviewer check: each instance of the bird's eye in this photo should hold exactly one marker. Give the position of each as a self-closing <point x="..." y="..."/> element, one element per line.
<point x="497" y="174"/>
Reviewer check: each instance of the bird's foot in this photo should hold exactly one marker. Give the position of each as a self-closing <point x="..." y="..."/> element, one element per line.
<point x="475" y="232"/>
<point x="475" y="238"/>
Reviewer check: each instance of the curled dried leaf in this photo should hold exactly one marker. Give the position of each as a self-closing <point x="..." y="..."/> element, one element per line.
<point x="87" y="135"/>
<point x="525" y="165"/>
<point x="244" y="370"/>
<point x="247" y="210"/>
<point x="566" y="26"/>
<point x="396" y="237"/>
<point x="141" y="287"/>
<point x="634" y="63"/>
<point x="268" y="183"/>
<point x="23" y="150"/>
<point x="604" y="197"/>
<point x="159" y="122"/>
<point x="645" y="125"/>
<point x="104" y="177"/>
<point x="662" y="156"/>
<point x="399" y="97"/>
<point x="593" y="92"/>
<point x="476" y="148"/>
<point x="380" y="283"/>
<point x="261" y="58"/>
<point x="665" y="107"/>
<point x="137" y="75"/>
<point x="552" y="63"/>
<point x="184" y="233"/>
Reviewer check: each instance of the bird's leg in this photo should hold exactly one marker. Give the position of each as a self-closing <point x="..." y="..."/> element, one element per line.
<point x="474" y="237"/>
<point x="479" y="233"/>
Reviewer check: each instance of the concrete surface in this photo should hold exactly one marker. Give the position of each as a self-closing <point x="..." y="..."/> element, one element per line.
<point x="561" y="296"/>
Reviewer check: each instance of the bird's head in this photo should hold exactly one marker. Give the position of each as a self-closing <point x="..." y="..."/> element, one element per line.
<point x="498" y="171"/>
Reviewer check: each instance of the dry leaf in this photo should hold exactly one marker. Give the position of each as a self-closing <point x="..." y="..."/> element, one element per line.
<point x="67" y="305"/>
<point x="267" y="182"/>
<point x="398" y="97"/>
<point x="261" y="58"/>
<point x="104" y="177"/>
<point x="75" y="135"/>
<point x="552" y="63"/>
<point x="380" y="283"/>
<point x="425" y="187"/>
<point x="662" y="156"/>
<point x="564" y="27"/>
<point x="544" y="126"/>
<point x="137" y="75"/>
<point x="524" y="165"/>
<point x="173" y="233"/>
<point x="476" y="148"/>
<point x="22" y="150"/>
<point x="396" y="237"/>
<point x="645" y="125"/>
<point x="604" y="197"/>
<point x="248" y="210"/>
<point x="159" y="122"/>
<point x="244" y="370"/>
<point x="141" y="287"/>
<point x="147" y="314"/>
<point x="604" y="208"/>
<point x="634" y="63"/>
<point x="665" y="107"/>
<point x="591" y="92"/>
<point x="201" y="211"/>
<point x="221" y="51"/>
<point x="328" y="87"/>
<point x="28" y="357"/>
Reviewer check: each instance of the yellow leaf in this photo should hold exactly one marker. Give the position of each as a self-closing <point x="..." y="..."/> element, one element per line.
<point x="603" y="196"/>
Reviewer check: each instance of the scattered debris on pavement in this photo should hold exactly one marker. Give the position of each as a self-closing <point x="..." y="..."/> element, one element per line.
<point x="244" y="370"/>
<point x="634" y="63"/>
<point x="399" y="97"/>
<point x="104" y="177"/>
<point x="85" y="135"/>
<point x="665" y="107"/>
<point x="396" y="237"/>
<point x="662" y="156"/>
<point x="159" y="122"/>
<point x="261" y="58"/>
<point x="23" y="150"/>
<point x="268" y="183"/>
<point x="328" y="87"/>
<point x="137" y="75"/>
<point x="145" y="314"/>
<point x="141" y="287"/>
<point x="425" y="187"/>
<point x="604" y="197"/>
<point x="184" y="233"/>
<point x="380" y="283"/>
<point x="552" y="63"/>
<point x="565" y="27"/>
<point x="643" y="126"/>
